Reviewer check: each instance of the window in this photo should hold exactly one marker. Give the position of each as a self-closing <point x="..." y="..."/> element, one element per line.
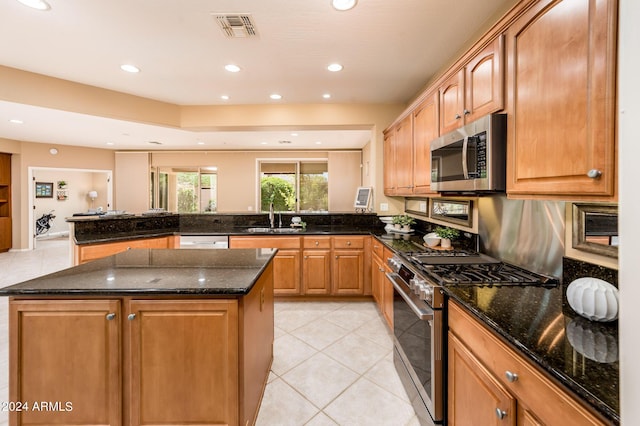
<point x="186" y="190"/>
<point x="294" y="186"/>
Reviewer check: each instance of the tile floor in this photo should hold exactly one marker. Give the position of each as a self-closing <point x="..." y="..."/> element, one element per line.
<point x="332" y="360"/>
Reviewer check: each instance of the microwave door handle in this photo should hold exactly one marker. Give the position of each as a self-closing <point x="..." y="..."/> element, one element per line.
<point x="465" y="167"/>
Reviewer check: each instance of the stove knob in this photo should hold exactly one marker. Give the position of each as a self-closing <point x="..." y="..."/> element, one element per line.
<point x="428" y="292"/>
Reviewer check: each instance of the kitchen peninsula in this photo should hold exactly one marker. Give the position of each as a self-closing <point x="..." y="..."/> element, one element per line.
<point x="147" y="336"/>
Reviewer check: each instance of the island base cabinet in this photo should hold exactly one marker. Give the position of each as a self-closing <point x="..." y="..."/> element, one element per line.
<point x="170" y="343"/>
<point x="65" y="362"/>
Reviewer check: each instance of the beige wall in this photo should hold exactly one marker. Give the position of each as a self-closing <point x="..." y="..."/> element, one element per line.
<point x="237" y="173"/>
<point x="131" y="180"/>
<point x="36" y="155"/>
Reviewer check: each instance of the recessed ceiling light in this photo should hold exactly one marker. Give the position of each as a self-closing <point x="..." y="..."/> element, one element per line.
<point x="326" y="96"/>
<point x="36" y="4"/>
<point x="53" y="151"/>
<point x="318" y="143"/>
<point x="110" y="143"/>
<point x="16" y="121"/>
<point x="275" y="96"/>
<point x="263" y="143"/>
<point x="224" y="97"/>
<point x="334" y="67"/>
<point x="294" y="134"/>
<point x="200" y="143"/>
<point x="343" y="4"/>
<point x="129" y="68"/>
<point x="232" y="68"/>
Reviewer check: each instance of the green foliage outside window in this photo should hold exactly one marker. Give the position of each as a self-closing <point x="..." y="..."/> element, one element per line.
<point x="279" y="191"/>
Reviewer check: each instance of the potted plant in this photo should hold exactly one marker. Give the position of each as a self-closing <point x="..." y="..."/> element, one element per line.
<point x="397" y="221"/>
<point x="62" y="184"/>
<point x="406" y="221"/>
<point x="446" y="235"/>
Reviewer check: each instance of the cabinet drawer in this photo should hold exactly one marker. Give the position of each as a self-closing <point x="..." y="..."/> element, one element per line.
<point x="378" y="249"/>
<point x="265" y="242"/>
<point x="550" y="403"/>
<point x="348" y="242"/>
<point x="316" y="242"/>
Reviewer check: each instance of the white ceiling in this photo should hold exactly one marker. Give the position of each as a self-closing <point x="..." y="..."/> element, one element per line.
<point x="389" y="50"/>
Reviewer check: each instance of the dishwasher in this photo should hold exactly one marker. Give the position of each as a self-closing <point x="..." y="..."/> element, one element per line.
<point x="204" y="241"/>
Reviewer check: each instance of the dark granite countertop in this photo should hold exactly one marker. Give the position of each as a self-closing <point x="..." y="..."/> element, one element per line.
<point x="154" y="272"/>
<point x="580" y="354"/>
<point x="110" y="228"/>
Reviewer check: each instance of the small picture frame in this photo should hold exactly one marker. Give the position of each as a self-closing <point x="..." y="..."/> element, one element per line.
<point x="44" y="189"/>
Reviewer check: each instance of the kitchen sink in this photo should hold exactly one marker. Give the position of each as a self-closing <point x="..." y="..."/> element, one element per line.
<point x="273" y="230"/>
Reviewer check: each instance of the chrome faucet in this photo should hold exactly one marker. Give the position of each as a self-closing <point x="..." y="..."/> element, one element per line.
<point x="272" y="218"/>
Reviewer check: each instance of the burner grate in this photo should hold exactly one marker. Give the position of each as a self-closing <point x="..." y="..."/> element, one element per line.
<point x="495" y="274"/>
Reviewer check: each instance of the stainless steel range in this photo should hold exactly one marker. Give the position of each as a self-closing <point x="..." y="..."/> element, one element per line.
<point x="419" y="317"/>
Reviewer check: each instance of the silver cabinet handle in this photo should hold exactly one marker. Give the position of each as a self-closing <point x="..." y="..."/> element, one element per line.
<point x="111" y="316"/>
<point x="348" y="243"/>
<point x="306" y="257"/>
<point x="467" y="112"/>
<point x="131" y="317"/>
<point x="337" y="256"/>
<point x="500" y="414"/>
<point x="511" y="377"/>
<point x="317" y="242"/>
<point x="458" y="116"/>
<point x="594" y="173"/>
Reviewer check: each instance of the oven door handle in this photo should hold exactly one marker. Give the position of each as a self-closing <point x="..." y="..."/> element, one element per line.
<point x="424" y="313"/>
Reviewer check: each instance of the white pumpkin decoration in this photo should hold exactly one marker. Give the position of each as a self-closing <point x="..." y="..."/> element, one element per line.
<point x="593" y="299"/>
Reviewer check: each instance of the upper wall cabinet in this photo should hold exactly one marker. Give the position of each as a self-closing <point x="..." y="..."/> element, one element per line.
<point x="475" y="90"/>
<point x="561" y="57"/>
<point x="398" y="158"/>
<point x="425" y="129"/>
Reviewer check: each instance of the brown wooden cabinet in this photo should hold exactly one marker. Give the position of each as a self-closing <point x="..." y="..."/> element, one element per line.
<point x="334" y="266"/>
<point x="171" y="343"/>
<point x="316" y="265"/>
<point x="5" y="202"/>
<point x="474" y="90"/>
<point x="382" y="289"/>
<point x="286" y="264"/>
<point x="135" y="361"/>
<point x="87" y="252"/>
<point x="561" y="99"/>
<point x="66" y="352"/>
<point x="505" y="386"/>
<point x="347" y="268"/>
<point x="398" y="158"/>
<point x="425" y="129"/>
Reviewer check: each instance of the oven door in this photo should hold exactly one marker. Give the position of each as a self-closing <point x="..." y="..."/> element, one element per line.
<point x="418" y="351"/>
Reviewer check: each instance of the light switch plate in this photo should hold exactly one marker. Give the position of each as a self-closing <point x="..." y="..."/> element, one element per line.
<point x="384" y="207"/>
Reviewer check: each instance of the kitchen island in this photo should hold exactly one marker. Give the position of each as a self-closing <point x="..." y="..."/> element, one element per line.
<point x="143" y="337"/>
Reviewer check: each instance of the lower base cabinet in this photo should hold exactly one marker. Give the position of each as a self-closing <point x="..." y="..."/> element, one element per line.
<point x="382" y="288"/>
<point x="129" y="361"/>
<point x="491" y="384"/>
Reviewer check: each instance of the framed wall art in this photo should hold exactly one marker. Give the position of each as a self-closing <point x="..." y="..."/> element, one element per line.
<point x="44" y="189"/>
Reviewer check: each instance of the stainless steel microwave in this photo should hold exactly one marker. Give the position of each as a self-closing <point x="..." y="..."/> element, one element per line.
<point x="471" y="158"/>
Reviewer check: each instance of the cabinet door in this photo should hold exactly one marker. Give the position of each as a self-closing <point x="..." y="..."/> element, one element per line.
<point x="561" y="100"/>
<point x="389" y="163"/>
<point x="377" y="278"/>
<point x="452" y="102"/>
<point x="484" y="82"/>
<point x="66" y="353"/>
<point x="425" y="129"/>
<point x="475" y="397"/>
<point x="183" y="362"/>
<point x="86" y="253"/>
<point x="286" y="270"/>
<point x="348" y="272"/>
<point x="404" y="156"/>
<point x="387" y="298"/>
<point x="316" y="271"/>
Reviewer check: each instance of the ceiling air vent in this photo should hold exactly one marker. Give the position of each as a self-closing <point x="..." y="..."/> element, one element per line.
<point x="284" y="142"/>
<point x="239" y="25"/>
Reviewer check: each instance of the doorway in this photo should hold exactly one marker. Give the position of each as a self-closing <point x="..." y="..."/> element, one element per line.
<point x="65" y="192"/>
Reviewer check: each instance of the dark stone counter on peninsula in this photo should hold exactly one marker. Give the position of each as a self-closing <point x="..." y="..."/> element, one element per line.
<point x="154" y="272"/>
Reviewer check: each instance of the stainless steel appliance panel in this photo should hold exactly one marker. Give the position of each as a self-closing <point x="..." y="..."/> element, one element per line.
<point x="204" y="241"/>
